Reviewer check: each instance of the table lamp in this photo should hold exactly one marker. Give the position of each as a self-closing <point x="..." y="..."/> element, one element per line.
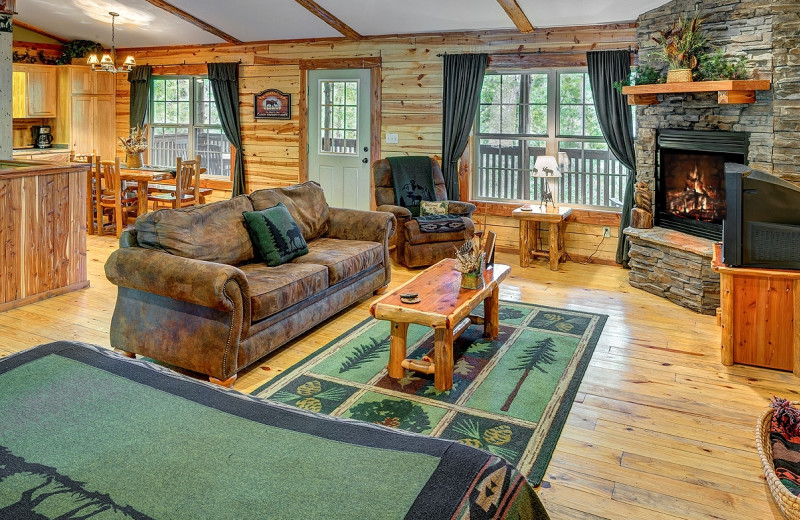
<point x="546" y="167"/>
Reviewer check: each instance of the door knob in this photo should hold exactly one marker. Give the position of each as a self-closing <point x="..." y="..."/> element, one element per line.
<point x="366" y="149"/>
<point x="365" y="160"/>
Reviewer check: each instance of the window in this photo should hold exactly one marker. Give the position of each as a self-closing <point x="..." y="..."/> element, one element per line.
<point x="338" y="117"/>
<point x="524" y="115"/>
<point x="184" y="122"/>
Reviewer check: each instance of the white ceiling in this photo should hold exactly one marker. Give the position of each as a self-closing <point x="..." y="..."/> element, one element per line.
<point x="143" y="25"/>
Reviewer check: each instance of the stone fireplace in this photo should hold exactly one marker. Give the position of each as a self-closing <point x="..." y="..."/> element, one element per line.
<point x="673" y="259"/>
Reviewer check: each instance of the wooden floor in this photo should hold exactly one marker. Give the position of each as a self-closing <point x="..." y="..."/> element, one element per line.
<point x="659" y="428"/>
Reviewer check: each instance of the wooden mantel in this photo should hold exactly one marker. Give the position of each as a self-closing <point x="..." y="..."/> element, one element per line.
<point x="728" y="91"/>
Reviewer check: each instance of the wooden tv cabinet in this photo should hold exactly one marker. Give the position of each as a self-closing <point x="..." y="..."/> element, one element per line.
<point x="759" y="315"/>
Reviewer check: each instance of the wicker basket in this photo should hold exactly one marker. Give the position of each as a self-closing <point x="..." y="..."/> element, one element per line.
<point x="788" y="503"/>
<point x="679" y="76"/>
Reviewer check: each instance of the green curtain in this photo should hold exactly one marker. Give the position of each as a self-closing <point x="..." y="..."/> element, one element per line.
<point x="616" y="123"/>
<point x="224" y="79"/>
<point x="139" y="79"/>
<point x="463" y="80"/>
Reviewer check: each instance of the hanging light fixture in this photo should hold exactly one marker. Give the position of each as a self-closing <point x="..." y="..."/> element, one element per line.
<point x="108" y="63"/>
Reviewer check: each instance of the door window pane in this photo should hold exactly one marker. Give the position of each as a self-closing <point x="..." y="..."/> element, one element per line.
<point x="338" y="117"/>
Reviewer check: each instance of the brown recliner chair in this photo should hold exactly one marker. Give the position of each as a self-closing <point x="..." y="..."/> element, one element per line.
<point x="414" y="248"/>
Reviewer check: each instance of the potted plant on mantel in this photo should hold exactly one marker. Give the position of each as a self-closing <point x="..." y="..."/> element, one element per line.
<point x="682" y="46"/>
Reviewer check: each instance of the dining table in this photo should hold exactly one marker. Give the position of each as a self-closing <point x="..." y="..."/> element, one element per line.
<point x="143" y="176"/>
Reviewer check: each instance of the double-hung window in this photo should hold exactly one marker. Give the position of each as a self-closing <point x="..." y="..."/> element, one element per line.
<point x="184" y="122"/>
<point x="527" y="114"/>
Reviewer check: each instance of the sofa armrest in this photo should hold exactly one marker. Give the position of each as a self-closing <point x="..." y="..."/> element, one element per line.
<point x="353" y="224"/>
<point x="193" y="281"/>
<point x="398" y="211"/>
<point x="373" y="226"/>
<point x="457" y="207"/>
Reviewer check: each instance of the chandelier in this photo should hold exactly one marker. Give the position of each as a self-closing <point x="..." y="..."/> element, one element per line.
<point x="108" y="63"/>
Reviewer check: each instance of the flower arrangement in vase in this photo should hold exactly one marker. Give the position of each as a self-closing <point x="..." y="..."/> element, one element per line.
<point x="134" y="145"/>
<point x="470" y="263"/>
<point x="682" y="46"/>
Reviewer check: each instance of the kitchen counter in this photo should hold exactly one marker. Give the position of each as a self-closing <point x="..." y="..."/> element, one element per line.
<point x="57" y="154"/>
<point x="43" y="230"/>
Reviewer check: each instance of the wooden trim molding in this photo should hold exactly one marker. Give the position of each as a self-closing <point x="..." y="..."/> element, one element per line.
<point x="375" y="66"/>
<point x="37" y="30"/>
<point x="325" y="15"/>
<point x="183" y="15"/>
<point x="517" y="15"/>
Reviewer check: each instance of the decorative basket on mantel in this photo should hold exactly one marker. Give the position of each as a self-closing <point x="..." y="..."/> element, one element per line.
<point x="679" y="76"/>
<point x="788" y="503"/>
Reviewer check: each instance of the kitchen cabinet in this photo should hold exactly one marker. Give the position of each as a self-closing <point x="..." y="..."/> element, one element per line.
<point x="87" y="111"/>
<point x="34" y="91"/>
<point x="83" y="80"/>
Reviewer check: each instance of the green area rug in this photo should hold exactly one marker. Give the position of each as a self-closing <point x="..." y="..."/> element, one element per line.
<point x="510" y="396"/>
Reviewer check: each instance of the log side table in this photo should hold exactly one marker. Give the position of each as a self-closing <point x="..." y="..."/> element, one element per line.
<point x="529" y="233"/>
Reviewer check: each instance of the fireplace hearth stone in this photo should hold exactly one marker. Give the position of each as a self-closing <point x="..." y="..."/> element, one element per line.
<point x="675" y="266"/>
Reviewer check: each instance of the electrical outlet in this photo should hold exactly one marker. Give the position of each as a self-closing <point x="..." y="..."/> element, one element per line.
<point x="392" y="139"/>
<point x="606" y="232"/>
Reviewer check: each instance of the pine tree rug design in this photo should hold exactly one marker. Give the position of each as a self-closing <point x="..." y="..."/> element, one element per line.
<point x="510" y="396"/>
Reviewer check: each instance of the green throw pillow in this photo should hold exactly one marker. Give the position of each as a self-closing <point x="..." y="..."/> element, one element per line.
<point x="438" y="207"/>
<point x="275" y="235"/>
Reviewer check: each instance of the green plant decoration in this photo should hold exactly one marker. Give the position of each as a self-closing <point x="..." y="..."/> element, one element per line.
<point x="78" y="49"/>
<point x="715" y="67"/>
<point x="683" y="44"/>
<point x="644" y="74"/>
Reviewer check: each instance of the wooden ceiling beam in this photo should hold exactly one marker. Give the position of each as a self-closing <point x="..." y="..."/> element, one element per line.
<point x="183" y="15"/>
<point x="516" y="14"/>
<point x="324" y="15"/>
<point x="33" y="28"/>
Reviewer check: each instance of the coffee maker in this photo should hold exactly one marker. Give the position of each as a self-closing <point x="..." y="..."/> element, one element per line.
<point x="42" y="138"/>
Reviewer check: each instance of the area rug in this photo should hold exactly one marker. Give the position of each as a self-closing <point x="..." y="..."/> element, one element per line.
<point x="510" y="396"/>
<point x="86" y="433"/>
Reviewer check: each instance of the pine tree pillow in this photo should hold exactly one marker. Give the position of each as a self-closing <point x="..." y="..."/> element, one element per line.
<point x="275" y="235"/>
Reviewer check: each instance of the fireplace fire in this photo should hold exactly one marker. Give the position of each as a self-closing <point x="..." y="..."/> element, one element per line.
<point x="695" y="188"/>
<point x="690" y="188"/>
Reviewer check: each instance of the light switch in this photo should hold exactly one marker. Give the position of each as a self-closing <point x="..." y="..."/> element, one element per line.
<point x="392" y="139"/>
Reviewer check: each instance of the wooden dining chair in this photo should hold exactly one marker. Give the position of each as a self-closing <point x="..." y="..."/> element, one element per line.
<point x="113" y="199"/>
<point x="187" y="186"/>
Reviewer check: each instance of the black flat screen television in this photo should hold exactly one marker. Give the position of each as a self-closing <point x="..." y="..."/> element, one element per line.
<point x="762" y="227"/>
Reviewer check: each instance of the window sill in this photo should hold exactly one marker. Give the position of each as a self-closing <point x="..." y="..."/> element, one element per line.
<point x="581" y="215"/>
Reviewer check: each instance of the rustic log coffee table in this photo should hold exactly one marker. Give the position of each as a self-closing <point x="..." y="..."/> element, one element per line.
<point x="446" y="307"/>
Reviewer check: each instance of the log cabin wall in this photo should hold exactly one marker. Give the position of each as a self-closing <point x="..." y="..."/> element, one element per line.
<point x="411" y="96"/>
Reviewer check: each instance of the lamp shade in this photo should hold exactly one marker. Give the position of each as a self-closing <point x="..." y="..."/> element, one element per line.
<point x="106" y="60"/>
<point x="130" y="61"/>
<point x="93" y="60"/>
<point x="546" y="166"/>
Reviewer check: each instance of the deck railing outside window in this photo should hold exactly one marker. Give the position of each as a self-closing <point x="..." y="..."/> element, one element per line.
<point x="592" y="177"/>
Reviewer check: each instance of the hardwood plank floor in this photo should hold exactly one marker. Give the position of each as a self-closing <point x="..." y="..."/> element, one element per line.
<point x="659" y="430"/>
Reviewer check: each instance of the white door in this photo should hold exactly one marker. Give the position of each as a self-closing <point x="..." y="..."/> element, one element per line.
<point x="339" y="135"/>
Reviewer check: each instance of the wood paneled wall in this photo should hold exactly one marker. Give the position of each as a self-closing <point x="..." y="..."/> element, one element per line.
<point x="411" y="96"/>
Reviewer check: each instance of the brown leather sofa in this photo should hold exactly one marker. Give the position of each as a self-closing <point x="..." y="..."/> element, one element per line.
<point x="190" y="293"/>
<point x="413" y="248"/>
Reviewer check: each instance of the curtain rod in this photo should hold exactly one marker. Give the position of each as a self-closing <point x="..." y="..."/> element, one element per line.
<point x="539" y="51"/>
<point x="184" y="64"/>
